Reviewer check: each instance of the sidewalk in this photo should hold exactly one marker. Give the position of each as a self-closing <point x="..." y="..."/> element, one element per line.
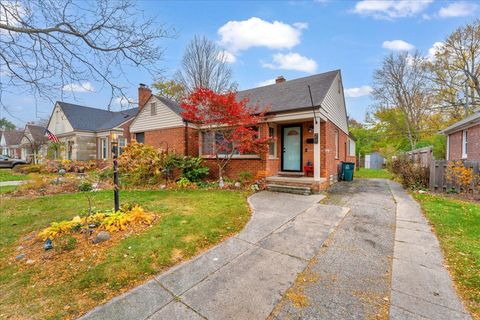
<point x="245" y="276"/>
<point x="421" y="285"/>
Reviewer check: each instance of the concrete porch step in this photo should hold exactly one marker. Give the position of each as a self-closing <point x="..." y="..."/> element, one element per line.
<point x="290" y="174"/>
<point x="289" y="189"/>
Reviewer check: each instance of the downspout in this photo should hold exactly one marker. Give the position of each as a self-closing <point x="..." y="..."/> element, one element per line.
<point x="186" y="137"/>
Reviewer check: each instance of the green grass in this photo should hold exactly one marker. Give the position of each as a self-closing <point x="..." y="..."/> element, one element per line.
<point x="5" y="189"/>
<point x="457" y="225"/>
<point x="373" y="174"/>
<point x="9" y="175"/>
<point x="190" y="221"/>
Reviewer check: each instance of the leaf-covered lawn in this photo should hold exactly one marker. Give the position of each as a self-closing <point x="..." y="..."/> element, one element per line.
<point x="372" y="174"/>
<point x="457" y="225"/>
<point x="188" y="222"/>
<point x="9" y="175"/>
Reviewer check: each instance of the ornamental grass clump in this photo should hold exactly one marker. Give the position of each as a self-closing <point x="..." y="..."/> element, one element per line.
<point x="110" y="221"/>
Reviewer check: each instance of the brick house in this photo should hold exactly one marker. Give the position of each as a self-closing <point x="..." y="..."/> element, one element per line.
<point x="86" y="132"/>
<point x="306" y="138"/>
<point x="463" y="139"/>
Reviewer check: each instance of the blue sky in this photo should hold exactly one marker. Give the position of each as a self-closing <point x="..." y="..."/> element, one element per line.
<point x="265" y="39"/>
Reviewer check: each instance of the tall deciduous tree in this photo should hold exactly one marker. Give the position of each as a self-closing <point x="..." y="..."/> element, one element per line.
<point x="456" y="70"/>
<point x="6" y="124"/>
<point x="228" y="125"/>
<point x="169" y="89"/>
<point x="204" y="65"/>
<point x="402" y="82"/>
<point x="47" y="46"/>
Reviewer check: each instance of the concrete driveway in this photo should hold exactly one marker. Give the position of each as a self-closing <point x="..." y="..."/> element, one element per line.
<point x="245" y="276"/>
<point x="366" y="252"/>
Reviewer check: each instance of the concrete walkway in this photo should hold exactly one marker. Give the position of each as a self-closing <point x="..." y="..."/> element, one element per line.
<point x="421" y="285"/>
<point x="11" y="183"/>
<point x="353" y="276"/>
<point x="245" y="276"/>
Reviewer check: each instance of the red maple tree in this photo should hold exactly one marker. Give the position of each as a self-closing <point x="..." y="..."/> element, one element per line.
<point x="229" y="126"/>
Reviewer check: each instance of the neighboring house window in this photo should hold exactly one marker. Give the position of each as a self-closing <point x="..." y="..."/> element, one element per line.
<point x="272" y="146"/>
<point x="69" y="150"/>
<point x="140" y="137"/>
<point x="465" y="144"/>
<point x="122" y="142"/>
<point x="448" y="147"/>
<point x="337" y="145"/>
<point x="153" y="108"/>
<point x="104" y="148"/>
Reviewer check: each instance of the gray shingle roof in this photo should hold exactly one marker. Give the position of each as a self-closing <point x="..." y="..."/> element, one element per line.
<point x="474" y="118"/>
<point x="37" y="132"/>
<point x="292" y="94"/>
<point x="13" y="138"/>
<point x="93" y="119"/>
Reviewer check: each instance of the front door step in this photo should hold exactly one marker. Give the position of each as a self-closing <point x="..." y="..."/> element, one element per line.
<point x="289" y="189"/>
<point x="290" y="174"/>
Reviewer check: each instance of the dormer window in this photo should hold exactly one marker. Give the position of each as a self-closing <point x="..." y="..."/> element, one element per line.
<point x="153" y="108"/>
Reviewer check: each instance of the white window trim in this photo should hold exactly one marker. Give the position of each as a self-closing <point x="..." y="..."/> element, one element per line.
<point x="102" y="140"/>
<point x="464" y="144"/>
<point x="275" y="146"/>
<point x="222" y="156"/>
<point x="448" y="148"/>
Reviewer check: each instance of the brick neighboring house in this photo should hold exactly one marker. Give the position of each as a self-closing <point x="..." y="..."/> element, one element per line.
<point x="10" y="143"/>
<point x="305" y="138"/>
<point x="463" y="139"/>
<point x="86" y="132"/>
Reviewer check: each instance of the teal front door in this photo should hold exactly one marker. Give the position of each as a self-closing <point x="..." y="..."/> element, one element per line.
<point x="292" y="148"/>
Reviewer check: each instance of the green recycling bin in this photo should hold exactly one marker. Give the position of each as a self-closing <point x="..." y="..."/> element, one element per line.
<point x="347" y="171"/>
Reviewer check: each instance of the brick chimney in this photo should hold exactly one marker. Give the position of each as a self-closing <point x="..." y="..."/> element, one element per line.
<point x="280" y="79"/>
<point x="144" y="93"/>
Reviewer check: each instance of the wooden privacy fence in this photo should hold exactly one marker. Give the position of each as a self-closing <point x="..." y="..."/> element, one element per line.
<point x="423" y="156"/>
<point x="438" y="176"/>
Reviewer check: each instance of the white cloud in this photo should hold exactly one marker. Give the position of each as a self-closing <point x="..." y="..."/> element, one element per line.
<point x="266" y="82"/>
<point x="433" y="50"/>
<point x="255" y="32"/>
<point x="391" y="9"/>
<point x="358" y="91"/>
<point x="79" y="87"/>
<point x="398" y="45"/>
<point x="227" y="56"/>
<point x="458" y="9"/>
<point x="292" y="61"/>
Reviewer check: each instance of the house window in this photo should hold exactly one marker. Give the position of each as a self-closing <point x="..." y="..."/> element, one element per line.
<point x="122" y="142"/>
<point x="153" y="108"/>
<point x="272" y="146"/>
<point x="465" y="144"/>
<point x="140" y="137"/>
<point x="103" y="148"/>
<point x="210" y="140"/>
<point x="337" y="145"/>
<point x="351" y="148"/>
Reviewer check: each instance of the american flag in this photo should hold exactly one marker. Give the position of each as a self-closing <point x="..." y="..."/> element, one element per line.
<point x="51" y="136"/>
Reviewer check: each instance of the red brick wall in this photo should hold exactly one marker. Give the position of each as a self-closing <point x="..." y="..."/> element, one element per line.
<point x="328" y="162"/>
<point x="173" y="139"/>
<point x="455" y="144"/>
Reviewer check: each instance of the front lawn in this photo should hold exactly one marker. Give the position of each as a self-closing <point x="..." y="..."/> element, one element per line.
<point x="457" y="225"/>
<point x="373" y="174"/>
<point x="189" y="221"/>
<point x="9" y="175"/>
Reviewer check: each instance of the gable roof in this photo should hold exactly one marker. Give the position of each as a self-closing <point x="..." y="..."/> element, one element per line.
<point x="465" y="123"/>
<point x="37" y="132"/>
<point x="94" y="119"/>
<point x="13" y="138"/>
<point x="291" y="94"/>
<point x="175" y="107"/>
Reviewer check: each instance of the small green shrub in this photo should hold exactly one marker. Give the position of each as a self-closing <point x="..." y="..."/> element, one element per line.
<point x="66" y="243"/>
<point x="85" y="186"/>
<point x="184" y="183"/>
<point x="245" y="176"/>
